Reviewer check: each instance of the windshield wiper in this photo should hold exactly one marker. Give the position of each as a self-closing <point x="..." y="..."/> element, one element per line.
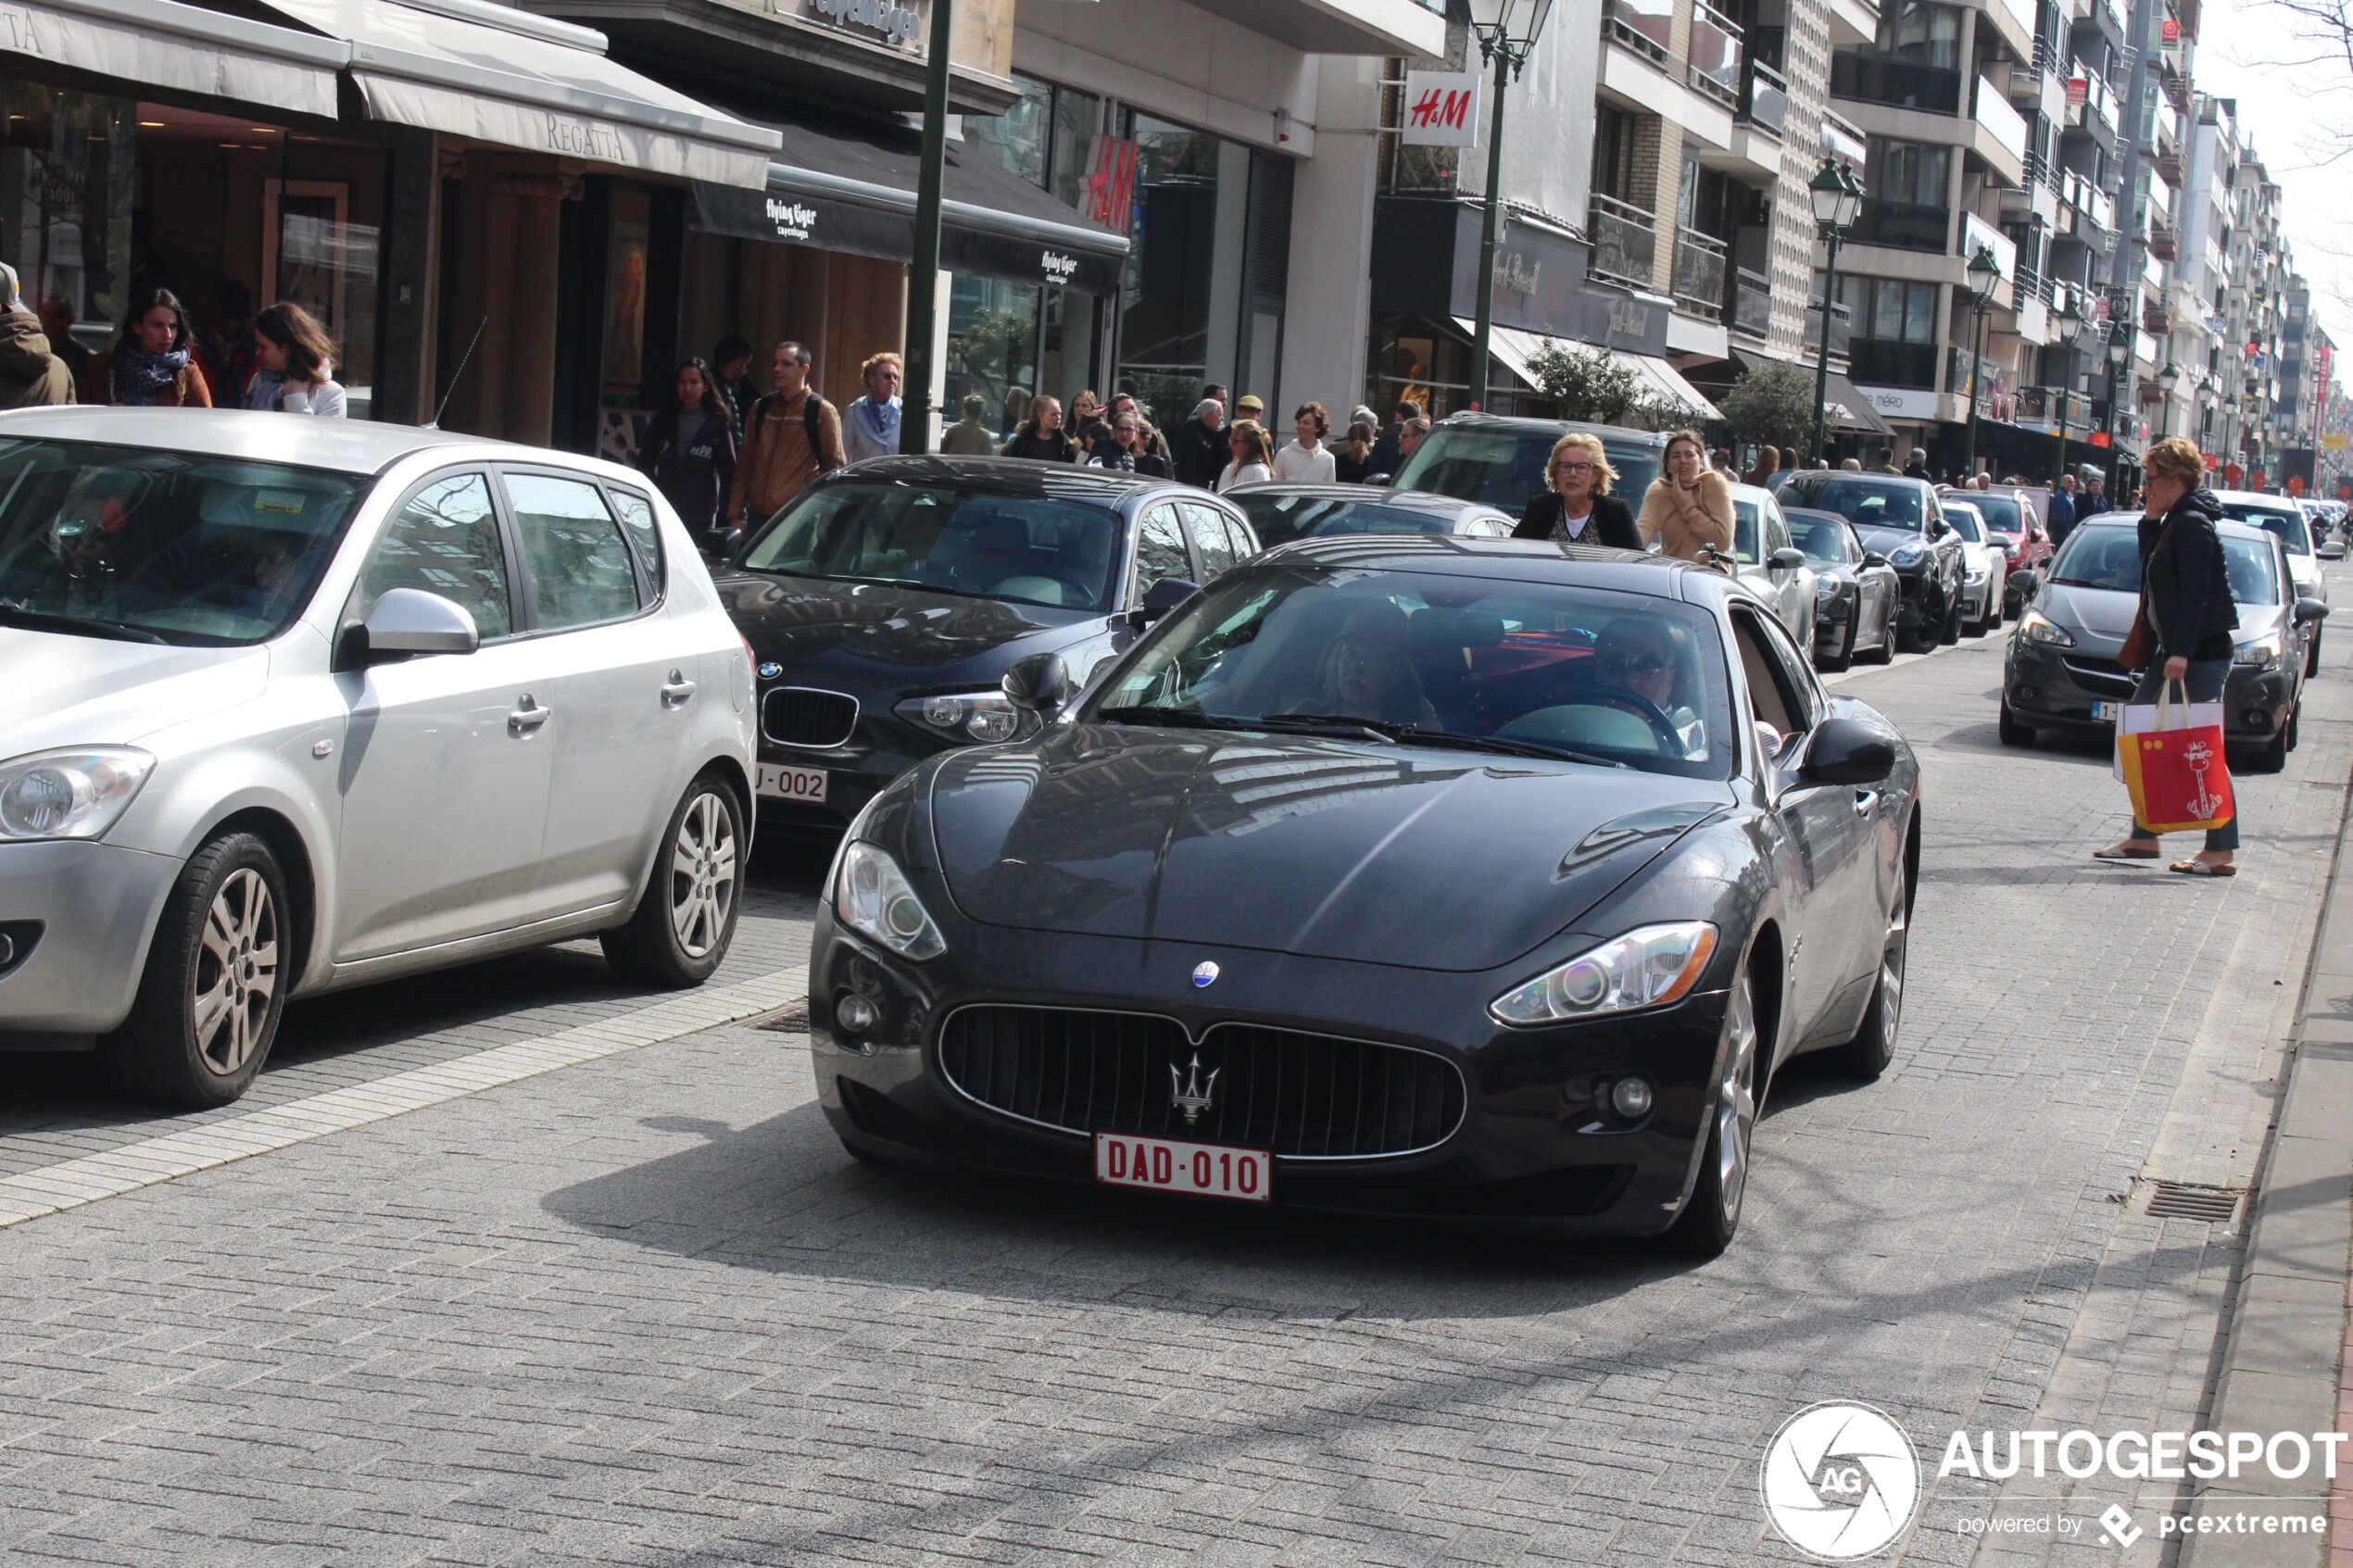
<point x="43" y="620"/>
<point x="1414" y="735"/>
<point x="1376" y="729"/>
<point x="1175" y="718"/>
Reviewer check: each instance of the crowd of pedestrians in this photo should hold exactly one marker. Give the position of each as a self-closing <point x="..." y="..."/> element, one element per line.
<point x="278" y="359"/>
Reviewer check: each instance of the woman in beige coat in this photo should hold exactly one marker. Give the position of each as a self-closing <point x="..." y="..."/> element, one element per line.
<point x="1688" y="505"/>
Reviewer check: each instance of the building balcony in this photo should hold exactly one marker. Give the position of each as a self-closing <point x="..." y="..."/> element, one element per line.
<point x="2039" y="409"/>
<point x="1880" y="362"/>
<point x="1875" y="79"/>
<point x="1700" y="271"/>
<point x="1647" y="27"/>
<point x="1999" y="135"/>
<point x="1714" y="55"/>
<point x="1902" y="226"/>
<point x="1625" y="242"/>
<point x="1752" y="303"/>
<point x="1765" y="100"/>
<point x="1853" y="22"/>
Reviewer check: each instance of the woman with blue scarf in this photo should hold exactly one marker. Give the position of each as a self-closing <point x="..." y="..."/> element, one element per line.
<point x="153" y="364"/>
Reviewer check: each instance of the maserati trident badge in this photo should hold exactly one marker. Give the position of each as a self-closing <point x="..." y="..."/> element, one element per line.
<point x="1190" y="1094"/>
<point x="1204" y="974"/>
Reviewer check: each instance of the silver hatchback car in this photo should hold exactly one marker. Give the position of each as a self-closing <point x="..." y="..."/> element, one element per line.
<point x="292" y="705"/>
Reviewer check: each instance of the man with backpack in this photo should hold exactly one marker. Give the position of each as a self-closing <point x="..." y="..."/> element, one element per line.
<point x="790" y="437"/>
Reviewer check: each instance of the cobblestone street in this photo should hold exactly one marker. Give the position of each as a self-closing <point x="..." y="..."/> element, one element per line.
<point x="643" y="1309"/>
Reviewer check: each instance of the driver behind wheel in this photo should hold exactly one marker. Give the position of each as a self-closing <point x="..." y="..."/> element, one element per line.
<point x="1365" y="673"/>
<point x="1641" y="656"/>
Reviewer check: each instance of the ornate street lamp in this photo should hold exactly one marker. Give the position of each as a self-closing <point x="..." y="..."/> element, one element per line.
<point x="2166" y="380"/>
<point x="1507" y="30"/>
<point x="1984" y="277"/>
<point x="2120" y="355"/>
<point x="1837" y="196"/>
<point x="2070" y="328"/>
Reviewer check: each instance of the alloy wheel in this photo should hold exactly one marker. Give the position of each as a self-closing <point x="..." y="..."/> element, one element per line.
<point x="702" y="874"/>
<point x="1736" y="1101"/>
<point x="236" y="972"/>
<point x="1891" y="963"/>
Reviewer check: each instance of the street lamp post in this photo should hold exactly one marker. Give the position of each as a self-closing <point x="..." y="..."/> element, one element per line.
<point x="2070" y="328"/>
<point x="922" y="270"/>
<point x="1984" y="277"/>
<point x="1837" y="196"/>
<point x="2120" y="354"/>
<point x="2166" y="380"/>
<point x="1508" y="31"/>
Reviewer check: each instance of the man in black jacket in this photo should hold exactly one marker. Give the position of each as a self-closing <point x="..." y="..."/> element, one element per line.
<point x="1387" y="457"/>
<point x="1199" y="446"/>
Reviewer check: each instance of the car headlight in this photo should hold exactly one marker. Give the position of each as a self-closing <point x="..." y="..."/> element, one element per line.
<point x="77" y="793"/>
<point x="978" y="716"/>
<point x="2040" y="628"/>
<point x="872" y="898"/>
<point x="1977" y="574"/>
<point x="1647" y="968"/>
<point x="1908" y="555"/>
<point x="1826" y="588"/>
<point x="2260" y="654"/>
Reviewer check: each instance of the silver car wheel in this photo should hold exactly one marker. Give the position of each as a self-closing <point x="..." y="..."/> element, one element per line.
<point x="702" y="874"/>
<point x="236" y="972"/>
<point x="1891" y="964"/>
<point x="1736" y="1101"/>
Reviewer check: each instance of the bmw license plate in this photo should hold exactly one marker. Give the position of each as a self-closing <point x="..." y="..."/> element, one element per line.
<point x="1205" y="1169"/>
<point x="775" y="781"/>
<point x="2108" y="712"/>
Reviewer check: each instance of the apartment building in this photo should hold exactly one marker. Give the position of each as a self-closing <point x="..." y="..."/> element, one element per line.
<point x="2203" y="348"/>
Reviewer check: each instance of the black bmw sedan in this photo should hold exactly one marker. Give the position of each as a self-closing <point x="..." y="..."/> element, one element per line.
<point x="1486" y="881"/>
<point x="883" y="604"/>
<point x="1904" y="520"/>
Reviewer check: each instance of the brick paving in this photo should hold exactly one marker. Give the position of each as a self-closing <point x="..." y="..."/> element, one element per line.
<point x="645" y="1311"/>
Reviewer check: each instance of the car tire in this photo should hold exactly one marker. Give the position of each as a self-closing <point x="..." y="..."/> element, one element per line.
<point x="1950" y="631"/>
<point x="1873" y="1047"/>
<point x="1845" y="658"/>
<point x="2012" y="732"/>
<point x="1712" y="1214"/>
<point x="1884" y="649"/>
<point x="685" y="917"/>
<point x="2271" y="757"/>
<point x="2312" y="655"/>
<point x="215" y="983"/>
<point x="2295" y="725"/>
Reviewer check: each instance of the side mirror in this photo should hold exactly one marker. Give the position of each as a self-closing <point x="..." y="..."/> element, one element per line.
<point x="2027" y="581"/>
<point x="1040" y="683"/>
<point x="732" y="545"/>
<point x="1846" y="751"/>
<point x="1787" y="559"/>
<point x="410" y="620"/>
<point x="1873" y="557"/>
<point x="2311" y="610"/>
<point x="1168" y="594"/>
<point x="1382" y="480"/>
<point x="1936" y="529"/>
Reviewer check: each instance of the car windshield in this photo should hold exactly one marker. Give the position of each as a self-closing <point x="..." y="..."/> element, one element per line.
<point x="163" y="546"/>
<point x="1528" y="668"/>
<point x="1863" y="501"/>
<point x="1505" y="465"/>
<point x="1821" y="539"/>
<point x="2288" y="525"/>
<point x="1028" y="548"/>
<point x="1278" y="520"/>
<point x="2000" y="512"/>
<point x="1966" y="524"/>
<point x="2110" y="559"/>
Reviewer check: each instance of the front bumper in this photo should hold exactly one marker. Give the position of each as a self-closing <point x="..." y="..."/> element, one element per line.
<point x="1532" y="1152"/>
<point x="2055" y="688"/>
<point x="95" y="905"/>
<point x="881" y="747"/>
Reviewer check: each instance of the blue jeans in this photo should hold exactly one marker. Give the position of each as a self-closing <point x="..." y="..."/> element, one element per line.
<point x="2205" y="683"/>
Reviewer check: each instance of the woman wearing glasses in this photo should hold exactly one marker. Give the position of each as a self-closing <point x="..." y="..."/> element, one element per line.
<point x="1577" y="507"/>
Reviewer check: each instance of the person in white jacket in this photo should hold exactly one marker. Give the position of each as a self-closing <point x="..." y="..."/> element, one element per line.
<point x="1247" y="441"/>
<point x="1307" y="460"/>
<point x="297" y="364"/>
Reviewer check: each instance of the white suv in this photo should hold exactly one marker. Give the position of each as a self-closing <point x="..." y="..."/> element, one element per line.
<point x="296" y="704"/>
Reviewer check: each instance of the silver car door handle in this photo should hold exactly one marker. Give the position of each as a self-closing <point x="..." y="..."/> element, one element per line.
<point x="1866" y="802"/>
<point x="529" y="717"/>
<point x="676" y="690"/>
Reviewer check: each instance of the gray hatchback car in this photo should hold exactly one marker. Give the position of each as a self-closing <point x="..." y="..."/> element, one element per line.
<point x="297" y="704"/>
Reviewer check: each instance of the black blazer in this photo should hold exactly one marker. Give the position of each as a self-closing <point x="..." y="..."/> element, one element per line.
<point x="1612" y="524"/>
<point x="2188" y="581"/>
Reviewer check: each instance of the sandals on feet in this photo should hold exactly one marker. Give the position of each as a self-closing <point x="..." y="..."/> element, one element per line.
<point x="2203" y="868"/>
<point x="2123" y="852"/>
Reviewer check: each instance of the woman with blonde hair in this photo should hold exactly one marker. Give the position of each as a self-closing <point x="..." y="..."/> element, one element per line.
<point x="1688" y="506"/>
<point x="2186" y="620"/>
<point x="1254" y="455"/>
<point x="1577" y="507"/>
<point x="1040" y="437"/>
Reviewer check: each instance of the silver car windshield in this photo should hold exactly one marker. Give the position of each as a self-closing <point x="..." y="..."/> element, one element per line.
<point x="1504" y="467"/>
<point x="1621" y="679"/>
<point x="2110" y="559"/>
<point x="951" y="540"/>
<point x="162" y="547"/>
<point x="2288" y="525"/>
<point x="1278" y="520"/>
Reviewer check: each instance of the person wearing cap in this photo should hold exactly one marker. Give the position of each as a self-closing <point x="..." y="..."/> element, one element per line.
<point x="1252" y="407"/>
<point x="31" y="376"/>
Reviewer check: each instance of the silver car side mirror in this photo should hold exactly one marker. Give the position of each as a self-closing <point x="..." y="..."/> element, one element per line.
<point x="410" y="620"/>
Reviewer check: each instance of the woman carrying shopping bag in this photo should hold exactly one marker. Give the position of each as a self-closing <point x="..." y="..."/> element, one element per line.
<point x="2187" y="617"/>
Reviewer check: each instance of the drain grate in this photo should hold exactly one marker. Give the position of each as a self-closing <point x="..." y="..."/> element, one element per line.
<point x="2188" y="1201"/>
<point x="792" y="1020"/>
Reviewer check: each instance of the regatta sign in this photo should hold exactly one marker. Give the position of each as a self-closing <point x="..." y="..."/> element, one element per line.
<point x="900" y="24"/>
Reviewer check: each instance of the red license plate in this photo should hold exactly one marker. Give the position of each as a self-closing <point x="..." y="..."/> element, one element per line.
<point x="1205" y="1169"/>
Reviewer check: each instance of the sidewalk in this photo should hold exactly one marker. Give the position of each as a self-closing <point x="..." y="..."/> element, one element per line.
<point x="2287" y="1365"/>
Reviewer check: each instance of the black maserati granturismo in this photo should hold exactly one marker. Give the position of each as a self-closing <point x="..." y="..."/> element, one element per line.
<point x="1481" y="880"/>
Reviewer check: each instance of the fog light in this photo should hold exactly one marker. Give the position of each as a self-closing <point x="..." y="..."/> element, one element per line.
<point x="1631" y="1099"/>
<point x="856" y="1015"/>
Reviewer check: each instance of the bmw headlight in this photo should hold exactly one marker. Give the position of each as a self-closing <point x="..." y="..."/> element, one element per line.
<point x="1647" y="968"/>
<point x="77" y="793"/>
<point x="872" y="898"/>
<point x="2040" y="628"/>
<point x="1908" y="555"/>
<point x="980" y="716"/>
<point x="2260" y="654"/>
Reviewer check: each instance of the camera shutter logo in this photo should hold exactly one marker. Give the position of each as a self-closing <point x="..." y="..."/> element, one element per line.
<point x="1840" y="1481"/>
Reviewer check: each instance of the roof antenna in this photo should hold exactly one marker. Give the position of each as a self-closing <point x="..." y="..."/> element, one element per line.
<point x="463" y="360"/>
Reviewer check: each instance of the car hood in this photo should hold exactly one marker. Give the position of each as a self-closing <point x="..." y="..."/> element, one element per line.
<point x="1886" y="540"/>
<point x="870" y="634"/>
<point x="65" y="690"/>
<point x="2105" y="613"/>
<point x="1418" y="859"/>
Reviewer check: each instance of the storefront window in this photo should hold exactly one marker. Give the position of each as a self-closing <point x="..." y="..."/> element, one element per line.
<point x="66" y="187"/>
<point x="1017" y="139"/>
<point x="1179" y="317"/>
<point x="992" y="348"/>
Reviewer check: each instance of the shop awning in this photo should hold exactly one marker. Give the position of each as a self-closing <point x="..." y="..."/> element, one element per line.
<point x="1518" y="350"/>
<point x="530" y="83"/>
<point x="1848" y="409"/>
<point x="179" y="47"/>
<point x="851" y="187"/>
